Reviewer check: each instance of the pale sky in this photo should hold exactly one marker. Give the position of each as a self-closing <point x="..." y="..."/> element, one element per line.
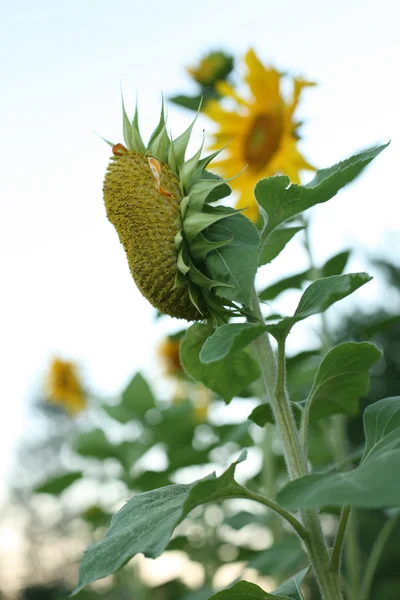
<point x="66" y="285"/>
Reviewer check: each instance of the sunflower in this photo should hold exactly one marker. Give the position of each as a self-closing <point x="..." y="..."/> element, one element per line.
<point x="261" y="131"/>
<point x="64" y="386"/>
<point x="168" y="351"/>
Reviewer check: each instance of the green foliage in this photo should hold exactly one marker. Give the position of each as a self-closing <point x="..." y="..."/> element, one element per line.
<point x="341" y="379"/>
<point x="284" y="556"/>
<point x="235" y="264"/>
<point x="372" y="483"/>
<point x="318" y="297"/>
<point x="287" y="283"/>
<point x="282" y="200"/>
<point x="146" y="522"/>
<point x="228" y="339"/>
<point x="56" y="485"/>
<point x="243" y="590"/>
<point x="136" y="400"/>
<point x="336" y="264"/>
<point x="227" y="377"/>
<point x="275" y="243"/>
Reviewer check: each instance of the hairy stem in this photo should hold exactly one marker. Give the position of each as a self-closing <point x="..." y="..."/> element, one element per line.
<point x="295" y="459"/>
<point x="338" y="545"/>
<point x="351" y="550"/>
<point x="268" y="476"/>
<point x="297" y="526"/>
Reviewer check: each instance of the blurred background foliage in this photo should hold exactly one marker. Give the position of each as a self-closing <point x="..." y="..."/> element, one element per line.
<point x="82" y="468"/>
<point x="83" y="456"/>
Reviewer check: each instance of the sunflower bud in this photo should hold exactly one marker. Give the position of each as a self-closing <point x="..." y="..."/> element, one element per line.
<point x="160" y="206"/>
<point x="213" y="67"/>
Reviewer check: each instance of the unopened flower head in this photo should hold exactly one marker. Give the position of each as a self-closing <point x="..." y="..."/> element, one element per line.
<point x="261" y="129"/>
<point x="213" y="67"/>
<point x="160" y="206"/>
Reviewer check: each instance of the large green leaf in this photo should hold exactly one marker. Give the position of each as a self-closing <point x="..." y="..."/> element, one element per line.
<point x="228" y="339"/>
<point x="282" y="200"/>
<point x="341" y="379"/>
<point x="146" y="522"/>
<point x="56" y="485"/>
<point x="243" y="590"/>
<point x="374" y="483"/>
<point x="275" y="243"/>
<point x="288" y="283"/>
<point x="319" y="296"/>
<point x="229" y="376"/>
<point x="136" y="400"/>
<point x="236" y="263"/>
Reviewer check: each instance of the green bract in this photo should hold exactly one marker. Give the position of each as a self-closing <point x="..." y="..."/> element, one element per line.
<point x="160" y="206"/>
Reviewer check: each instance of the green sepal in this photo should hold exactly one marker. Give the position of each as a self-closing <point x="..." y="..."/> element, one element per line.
<point x="172" y="161"/>
<point x="180" y="280"/>
<point x="160" y="145"/>
<point x="137" y="141"/>
<point x="201" y="246"/>
<point x="194" y="295"/>
<point x="126" y="126"/>
<point x="204" y="162"/>
<point x="181" y="263"/>
<point x="195" y="222"/>
<point x="197" y="277"/>
<point x="184" y="206"/>
<point x="188" y="169"/>
<point x="178" y="240"/>
<point x="160" y="126"/>
<point x="200" y="190"/>
<point x="181" y="143"/>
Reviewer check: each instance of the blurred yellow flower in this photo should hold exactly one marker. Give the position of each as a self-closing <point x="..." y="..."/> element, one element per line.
<point x="63" y="386"/>
<point x="261" y="131"/>
<point x="168" y="351"/>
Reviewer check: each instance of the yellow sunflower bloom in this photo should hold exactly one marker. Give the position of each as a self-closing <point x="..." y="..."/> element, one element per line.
<point x="261" y="131"/>
<point x="63" y="386"/>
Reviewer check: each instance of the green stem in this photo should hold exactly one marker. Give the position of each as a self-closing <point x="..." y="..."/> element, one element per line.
<point x="351" y="554"/>
<point x="297" y="526"/>
<point x="338" y="545"/>
<point x="295" y="459"/>
<point x="268" y="475"/>
<point x="375" y="556"/>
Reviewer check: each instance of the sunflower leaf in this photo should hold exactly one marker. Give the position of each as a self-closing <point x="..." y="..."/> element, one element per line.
<point x="228" y="339"/>
<point x="228" y="377"/>
<point x="342" y="378"/>
<point x="282" y="200"/>
<point x="288" y="283"/>
<point x="236" y="263"/>
<point x="244" y="590"/>
<point x="275" y="243"/>
<point x="373" y="484"/>
<point x="318" y="297"/>
<point x="146" y="522"/>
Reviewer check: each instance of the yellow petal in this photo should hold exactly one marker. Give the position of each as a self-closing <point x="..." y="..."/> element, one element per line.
<point x="263" y="82"/>
<point x="224" y="89"/>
